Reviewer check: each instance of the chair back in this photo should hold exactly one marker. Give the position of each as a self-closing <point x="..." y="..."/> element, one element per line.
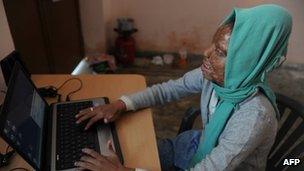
<point x="289" y="143"/>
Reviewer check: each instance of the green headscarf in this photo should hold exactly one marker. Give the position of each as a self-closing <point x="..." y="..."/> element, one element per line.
<point x="258" y="40"/>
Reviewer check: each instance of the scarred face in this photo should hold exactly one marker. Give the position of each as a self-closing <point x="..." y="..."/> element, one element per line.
<point x="213" y="66"/>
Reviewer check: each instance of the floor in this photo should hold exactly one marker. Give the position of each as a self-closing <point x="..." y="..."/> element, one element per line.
<point x="288" y="80"/>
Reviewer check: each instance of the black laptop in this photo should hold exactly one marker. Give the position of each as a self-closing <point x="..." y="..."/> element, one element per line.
<point x="46" y="136"/>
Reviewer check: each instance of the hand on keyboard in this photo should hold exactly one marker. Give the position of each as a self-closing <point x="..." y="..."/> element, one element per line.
<point x="71" y="138"/>
<point x="91" y="160"/>
<point x="107" y="113"/>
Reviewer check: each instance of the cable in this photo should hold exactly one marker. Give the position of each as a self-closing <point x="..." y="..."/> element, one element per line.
<point x="59" y="97"/>
<point x="5" y="158"/>
<point x="52" y="91"/>
<point x="72" y="92"/>
<point x="7" y="148"/>
<point x="19" y="168"/>
<point x="66" y="81"/>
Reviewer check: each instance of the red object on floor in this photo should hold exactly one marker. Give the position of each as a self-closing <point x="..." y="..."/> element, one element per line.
<point x="182" y="63"/>
<point x="125" y="49"/>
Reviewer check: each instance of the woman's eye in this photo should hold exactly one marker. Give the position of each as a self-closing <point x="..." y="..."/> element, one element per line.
<point x="220" y="52"/>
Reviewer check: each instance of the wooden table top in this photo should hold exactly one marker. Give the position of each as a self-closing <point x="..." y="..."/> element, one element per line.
<point x="135" y="129"/>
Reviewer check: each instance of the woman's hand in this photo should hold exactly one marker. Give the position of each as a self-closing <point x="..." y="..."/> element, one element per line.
<point x="96" y="162"/>
<point x="107" y="112"/>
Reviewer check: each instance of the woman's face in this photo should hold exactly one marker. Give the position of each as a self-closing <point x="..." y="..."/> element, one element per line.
<point x="213" y="66"/>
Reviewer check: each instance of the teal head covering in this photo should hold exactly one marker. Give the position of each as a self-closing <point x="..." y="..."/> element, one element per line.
<point x="258" y="40"/>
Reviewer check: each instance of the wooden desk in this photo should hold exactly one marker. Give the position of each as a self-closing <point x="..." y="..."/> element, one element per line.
<point x="135" y="130"/>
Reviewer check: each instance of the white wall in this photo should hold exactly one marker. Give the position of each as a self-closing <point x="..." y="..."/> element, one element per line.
<point x="91" y="16"/>
<point x="6" y="43"/>
<point x="166" y="25"/>
<point x="97" y="20"/>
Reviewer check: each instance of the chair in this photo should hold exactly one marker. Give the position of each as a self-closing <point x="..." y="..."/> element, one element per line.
<point x="289" y="143"/>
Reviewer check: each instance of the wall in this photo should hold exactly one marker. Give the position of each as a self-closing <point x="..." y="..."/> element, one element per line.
<point x="166" y="25"/>
<point x="98" y="20"/>
<point x="6" y="43"/>
<point x="91" y="16"/>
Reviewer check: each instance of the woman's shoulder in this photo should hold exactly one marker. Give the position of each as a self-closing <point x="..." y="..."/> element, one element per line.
<point x="258" y="101"/>
<point x="257" y="107"/>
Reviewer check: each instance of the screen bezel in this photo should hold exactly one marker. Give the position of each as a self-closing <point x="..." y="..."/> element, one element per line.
<point x="3" y="117"/>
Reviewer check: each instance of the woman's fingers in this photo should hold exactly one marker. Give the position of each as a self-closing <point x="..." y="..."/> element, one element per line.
<point x="113" y="156"/>
<point x="91" y="153"/>
<point x="85" y="111"/>
<point x="86" y="165"/>
<point x="92" y="121"/>
<point x="106" y="112"/>
<point x="101" y="162"/>
<point x="110" y="118"/>
<point x="110" y="146"/>
<point x="90" y="159"/>
<point x="86" y="116"/>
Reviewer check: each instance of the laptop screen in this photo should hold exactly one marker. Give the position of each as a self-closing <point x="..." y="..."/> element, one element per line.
<point x="23" y="124"/>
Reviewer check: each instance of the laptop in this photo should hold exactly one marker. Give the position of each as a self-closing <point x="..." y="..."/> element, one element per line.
<point x="46" y="136"/>
<point x="7" y="65"/>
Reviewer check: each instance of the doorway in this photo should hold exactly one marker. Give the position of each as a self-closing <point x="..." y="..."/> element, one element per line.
<point x="47" y="33"/>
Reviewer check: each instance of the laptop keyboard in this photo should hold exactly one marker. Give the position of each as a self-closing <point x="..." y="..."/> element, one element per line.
<point x="71" y="137"/>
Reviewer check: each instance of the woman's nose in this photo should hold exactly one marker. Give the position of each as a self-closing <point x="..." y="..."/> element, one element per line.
<point x="204" y="56"/>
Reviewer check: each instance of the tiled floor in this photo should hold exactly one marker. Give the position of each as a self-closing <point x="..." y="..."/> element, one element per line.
<point x="288" y="80"/>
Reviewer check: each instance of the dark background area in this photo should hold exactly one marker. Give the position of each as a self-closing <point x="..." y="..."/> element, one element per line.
<point x="47" y="34"/>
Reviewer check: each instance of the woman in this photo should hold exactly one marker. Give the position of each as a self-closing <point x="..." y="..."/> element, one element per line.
<point x="238" y="107"/>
